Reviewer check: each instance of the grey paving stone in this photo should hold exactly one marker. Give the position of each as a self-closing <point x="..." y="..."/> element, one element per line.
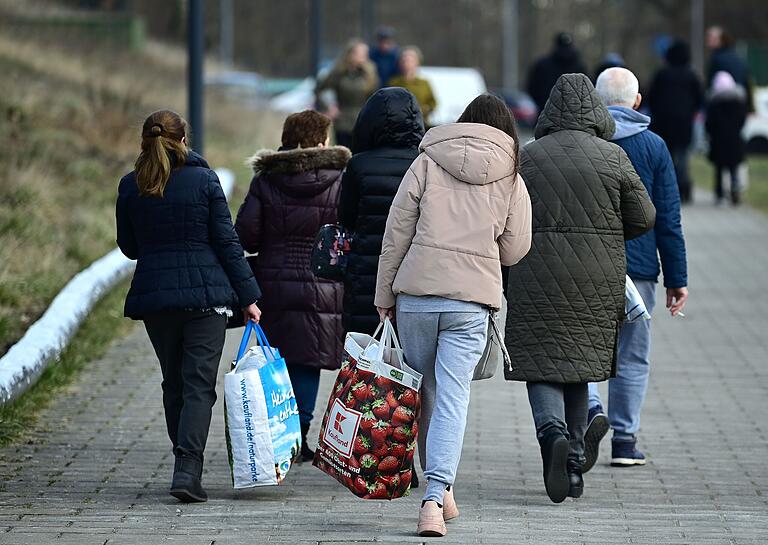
<point x="97" y="466"/>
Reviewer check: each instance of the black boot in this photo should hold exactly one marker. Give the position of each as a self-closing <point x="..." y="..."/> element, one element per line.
<point x="186" y="486"/>
<point x="307" y="454"/>
<point x="554" y="456"/>
<point x="576" y="488"/>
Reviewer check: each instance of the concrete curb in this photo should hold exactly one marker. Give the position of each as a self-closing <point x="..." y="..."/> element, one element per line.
<point x="45" y="340"/>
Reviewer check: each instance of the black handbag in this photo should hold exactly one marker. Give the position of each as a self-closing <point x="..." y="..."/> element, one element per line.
<point x="330" y="252"/>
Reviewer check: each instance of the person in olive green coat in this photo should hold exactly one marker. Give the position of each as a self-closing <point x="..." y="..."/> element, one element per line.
<point x="566" y="297"/>
<point x="352" y="79"/>
<point x="410" y="60"/>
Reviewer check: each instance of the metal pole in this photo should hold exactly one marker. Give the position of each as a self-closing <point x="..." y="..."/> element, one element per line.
<point x="195" y="73"/>
<point x="367" y="19"/>
<point x="697" y="35"/>
<point x="510" y="38"/>
<point x="315" y="35"/>
<point x="227" y="32"/>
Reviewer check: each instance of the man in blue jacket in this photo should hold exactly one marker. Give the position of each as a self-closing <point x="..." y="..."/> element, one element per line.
<point x="618" y="87"/>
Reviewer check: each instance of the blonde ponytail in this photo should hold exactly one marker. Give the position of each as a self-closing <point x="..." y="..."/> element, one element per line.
<point x="162" y="149"/>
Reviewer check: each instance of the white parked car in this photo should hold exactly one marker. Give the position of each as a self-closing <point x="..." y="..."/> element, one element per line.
<point x="756" y="128"/>
<point x="454" y="88"/>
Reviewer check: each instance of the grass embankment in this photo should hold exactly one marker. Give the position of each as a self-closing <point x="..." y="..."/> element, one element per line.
<point x="69" y="130"/>
<point x="756" y="195"/>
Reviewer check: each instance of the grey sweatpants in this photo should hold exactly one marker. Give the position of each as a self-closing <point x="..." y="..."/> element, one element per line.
<point x="445" y="347"/>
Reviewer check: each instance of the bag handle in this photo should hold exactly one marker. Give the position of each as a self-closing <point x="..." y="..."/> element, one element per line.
<point x="504" y="352"/>
<point x="261" y="340"/>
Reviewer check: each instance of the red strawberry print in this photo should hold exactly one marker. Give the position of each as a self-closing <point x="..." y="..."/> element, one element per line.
<point x="367" y="421"/>
<point x="380" y="409"/>
<point x="361" y="391"/>
<point x="360" y="486"/>
<point x="415" y="429"/>
<point x="368" y="463"/>
<point x="377" y="491"/>
<point x="353" y="463"/>
<point x="398" y="450"/>
<point x="401" y="416"/>
<point x="381" y="449"/>
<point x="389" y="464"/>
<point x="380" y="431"/>
<point x="405" y="478"/>
<point x="408" y="398"/>
<point x="401" y="434"/>
<point x="383" y="383"/>
<point x="390" y="481"/>
<point x="392" y="400"/>
<point x="362" y="445"/>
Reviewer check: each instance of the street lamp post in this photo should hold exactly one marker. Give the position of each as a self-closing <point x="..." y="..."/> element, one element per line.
<point x="195" y="73"/>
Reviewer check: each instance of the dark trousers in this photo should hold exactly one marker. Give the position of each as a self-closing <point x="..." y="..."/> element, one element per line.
<point x="680" y="162"/>
<point x="188" y="345"/>
<point x="563" y="407"/>
<point x="305" y="381"/>
<point x="735" y="182"/>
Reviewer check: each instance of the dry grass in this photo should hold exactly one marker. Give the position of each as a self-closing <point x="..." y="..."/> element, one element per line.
<point x="69" y="130"/>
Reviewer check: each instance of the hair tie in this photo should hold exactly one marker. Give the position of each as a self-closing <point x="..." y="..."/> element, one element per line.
<point x="156" y="130"/>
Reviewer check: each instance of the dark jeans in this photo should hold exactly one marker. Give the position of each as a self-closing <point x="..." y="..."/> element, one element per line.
<point x="563" y="407"/>
<point x="735" y="182"/>
<point x="188" y="345"/>
<point x="305" y="381"/>
<point x="680" y="162"/>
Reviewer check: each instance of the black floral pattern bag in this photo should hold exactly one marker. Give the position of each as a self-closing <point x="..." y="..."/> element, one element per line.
<point x="330" y="252"/>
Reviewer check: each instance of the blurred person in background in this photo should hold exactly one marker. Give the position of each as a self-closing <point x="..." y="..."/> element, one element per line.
<point x="410" y="61"/>
<point x="675" y="97"/>
<point x="611" y="60"/>
<point x="460" y="215"/>
<point x="619" y="89"/>
<point x="566" y="297"/>
<point x="724" y="57"/>
<point x="386" y="142"/>
<point x="295" y="191"/>
<point x="726" y="115"/>
<point x="385" y="54"/>
<point x="173" y="218"/>
<point x="352" y="79"/>
<point x="563" y="59"/>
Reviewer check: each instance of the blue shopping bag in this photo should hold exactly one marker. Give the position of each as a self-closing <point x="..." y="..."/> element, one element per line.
<point x="261" y="415"/>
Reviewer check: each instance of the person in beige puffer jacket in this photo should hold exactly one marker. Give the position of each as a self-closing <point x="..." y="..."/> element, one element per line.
<point x="460" y="214"/>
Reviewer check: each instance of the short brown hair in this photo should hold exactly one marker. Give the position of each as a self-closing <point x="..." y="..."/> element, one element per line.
<point x="305" y="129"/>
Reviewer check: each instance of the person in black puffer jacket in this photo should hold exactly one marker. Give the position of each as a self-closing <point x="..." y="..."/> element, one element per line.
<point x="386" y="141"/>
<point x="173" y="218"/>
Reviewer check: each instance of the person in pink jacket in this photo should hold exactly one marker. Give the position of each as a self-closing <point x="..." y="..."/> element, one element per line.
<point x="460" y="214"/>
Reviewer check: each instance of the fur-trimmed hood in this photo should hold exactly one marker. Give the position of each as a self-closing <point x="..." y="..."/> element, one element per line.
<point x="301" y="172"/>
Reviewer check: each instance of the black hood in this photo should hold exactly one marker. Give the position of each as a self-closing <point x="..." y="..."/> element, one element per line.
<point x="390" y="119"/>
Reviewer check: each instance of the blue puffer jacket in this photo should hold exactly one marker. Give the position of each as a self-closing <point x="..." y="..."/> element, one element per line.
<point x="650" y="157"/>
<point x="188" y="255"/>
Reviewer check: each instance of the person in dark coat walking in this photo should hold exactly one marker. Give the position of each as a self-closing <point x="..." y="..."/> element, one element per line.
<point x="675" y="97"/>
<point x="173" y="218"/>
<point x="566" y="297"/>
<point x="386" y="142"/>
<point x="619" y="88"/>
<point x="726" y="115"/>
<point x="725" y="58"/>
<point x="294" y="192"/>
<point x="564" y="59"/>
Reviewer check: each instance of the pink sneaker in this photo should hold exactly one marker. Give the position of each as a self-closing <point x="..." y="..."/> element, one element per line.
<point x="431" y="522"/>
<point x="450" y="509"/>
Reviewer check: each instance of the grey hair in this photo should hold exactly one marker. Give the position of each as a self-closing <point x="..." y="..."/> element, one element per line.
<point x="617" y="86"/>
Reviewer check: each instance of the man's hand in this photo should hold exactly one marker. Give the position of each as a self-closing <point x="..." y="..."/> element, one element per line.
<point x="676" y="298"/>
<point x="386" y="313"/>
<point x="252" y="313"/>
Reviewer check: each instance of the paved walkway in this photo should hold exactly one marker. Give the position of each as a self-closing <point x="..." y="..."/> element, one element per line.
<point x="97" y="467"/>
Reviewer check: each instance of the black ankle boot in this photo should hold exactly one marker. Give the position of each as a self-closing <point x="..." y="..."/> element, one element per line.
<point x="576" y="488"/>
<point x="307" y="454"/>
<point x="186" y="486"/>
<point x="554" y="457"/>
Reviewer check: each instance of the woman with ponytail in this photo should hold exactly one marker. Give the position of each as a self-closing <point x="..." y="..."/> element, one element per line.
<point x="173" y="218"/>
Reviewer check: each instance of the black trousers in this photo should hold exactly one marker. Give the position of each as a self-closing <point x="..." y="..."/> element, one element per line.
<point x="188" y="345"/>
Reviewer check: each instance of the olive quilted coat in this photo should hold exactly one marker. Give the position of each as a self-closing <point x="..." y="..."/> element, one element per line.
<point x="566" y="297"/>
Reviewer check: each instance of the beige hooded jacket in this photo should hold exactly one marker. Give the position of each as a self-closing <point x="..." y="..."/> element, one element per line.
<point x="458" y="216"/>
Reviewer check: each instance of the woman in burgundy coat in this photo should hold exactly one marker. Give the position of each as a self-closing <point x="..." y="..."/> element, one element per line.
<point x="294" y="192"/>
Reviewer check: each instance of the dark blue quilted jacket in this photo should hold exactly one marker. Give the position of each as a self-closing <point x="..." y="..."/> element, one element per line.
<point x="188" y="255"/>
<point x="650" y="157"/>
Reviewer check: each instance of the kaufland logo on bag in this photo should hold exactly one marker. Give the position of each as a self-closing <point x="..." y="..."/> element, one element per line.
<point x="342" y="428"/>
